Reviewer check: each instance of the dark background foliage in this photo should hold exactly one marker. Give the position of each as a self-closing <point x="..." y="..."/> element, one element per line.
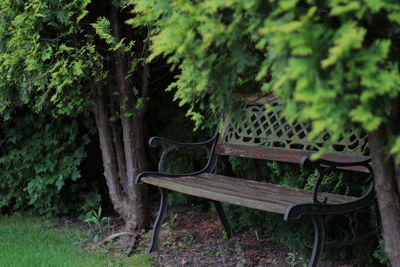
<point x="44" y="163"/>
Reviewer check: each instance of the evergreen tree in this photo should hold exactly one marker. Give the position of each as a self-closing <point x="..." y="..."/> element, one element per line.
<point x="66" y="56"/>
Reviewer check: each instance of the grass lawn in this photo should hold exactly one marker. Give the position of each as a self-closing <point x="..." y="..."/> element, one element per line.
<point x="30" y="241"/>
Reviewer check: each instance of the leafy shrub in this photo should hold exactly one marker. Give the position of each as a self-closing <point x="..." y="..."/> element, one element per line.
<point x="40" y="160"/>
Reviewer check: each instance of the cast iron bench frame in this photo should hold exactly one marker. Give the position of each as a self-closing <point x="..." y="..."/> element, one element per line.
<point x="292" y="203"/>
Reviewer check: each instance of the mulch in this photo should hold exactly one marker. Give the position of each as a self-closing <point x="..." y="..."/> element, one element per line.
<point x="196" y="239"/>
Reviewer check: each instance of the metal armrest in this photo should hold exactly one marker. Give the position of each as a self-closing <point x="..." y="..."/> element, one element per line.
<point x="324" y="166"/>
<point x="169" y="145"/>
<point x="307" y="163"/>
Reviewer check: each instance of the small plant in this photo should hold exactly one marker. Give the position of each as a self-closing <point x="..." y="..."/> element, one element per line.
<point x="380" y="255"/>
<point x="98" y="224"/>
<point x="295" y="260"/>
<point x="172" y="220"/>
<point x="257" y="235"/>
<point x="224" y="236"/>
<point x="170" y="223"/>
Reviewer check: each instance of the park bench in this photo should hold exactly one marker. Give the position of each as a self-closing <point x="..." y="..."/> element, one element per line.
<point x="258" y="134"/>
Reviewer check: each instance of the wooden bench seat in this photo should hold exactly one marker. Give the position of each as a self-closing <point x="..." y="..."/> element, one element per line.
<point x="246" y="193"/>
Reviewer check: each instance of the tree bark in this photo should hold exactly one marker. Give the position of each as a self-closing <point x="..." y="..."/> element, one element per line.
<point x="107" y="150"/>
<point x="142" y="160"/>
<point x="117" y="139"/>
<point x="386" y="186"/>
<point x="126" y="101"/>
<point x="123" y="132"/>
<point x="138" y="215"/>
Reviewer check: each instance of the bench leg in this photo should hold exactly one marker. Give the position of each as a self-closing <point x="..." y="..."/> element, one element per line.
<point x="319" y="239"/>
<point x="223" y="219"/>
<point x="160" y="218"/>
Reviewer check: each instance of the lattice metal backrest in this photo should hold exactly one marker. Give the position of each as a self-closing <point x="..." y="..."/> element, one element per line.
<point x="271" y="132"/>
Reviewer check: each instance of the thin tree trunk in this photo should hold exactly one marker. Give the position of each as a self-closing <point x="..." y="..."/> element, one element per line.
<point x="132" y="130"/>
<point x="126" y="101"/>
<point x="117" y="139"/>
<point x="107" y="151"/>
<point x="140" y="194"/>
<point x="140" y="136"/>
<point x="386" y="186"/>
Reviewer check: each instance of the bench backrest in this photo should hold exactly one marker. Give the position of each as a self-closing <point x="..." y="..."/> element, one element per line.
<point x="268" y="135"/>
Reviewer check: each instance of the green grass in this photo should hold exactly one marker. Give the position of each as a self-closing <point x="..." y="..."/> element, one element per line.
<point x="30" y="241"/>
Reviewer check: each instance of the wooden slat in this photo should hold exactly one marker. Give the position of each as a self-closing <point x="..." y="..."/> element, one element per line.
<point x="279" y="190"/>
<point x="247" y="193"/>
<point x="283" y="155"/>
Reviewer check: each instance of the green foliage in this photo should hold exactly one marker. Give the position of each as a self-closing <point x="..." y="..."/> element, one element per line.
<point x="103" y="30"/>
<point x="53" y="55"/>
<point x="295" y="260"/>
<point x="379" y="254"/>
<point x="211" y="44"/>
<point x="40" y="163"/>
<point x="337" y="64"/>
<point x="331" y="62"/>
<point x="50" y="56"/>
<point x="45" y="55"/>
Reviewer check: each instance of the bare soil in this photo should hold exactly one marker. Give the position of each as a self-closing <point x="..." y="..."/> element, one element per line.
<point x="196" y="239"/>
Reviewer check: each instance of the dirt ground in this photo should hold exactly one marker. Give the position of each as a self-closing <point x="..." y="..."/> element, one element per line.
<point x="196" y="239"/>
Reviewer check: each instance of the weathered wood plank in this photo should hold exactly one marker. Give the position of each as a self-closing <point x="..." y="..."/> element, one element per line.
<point x="283" y="155"/>
<point x="240" y="190"/>
<point x="172" y="184"/>
<point x="280" y="190"/>
<point x="247" y="193"/>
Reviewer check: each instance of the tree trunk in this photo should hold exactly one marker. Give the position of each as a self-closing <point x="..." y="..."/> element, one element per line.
<point x="132" y="127"/>
<point x="387" y="189"/>
<point x="107" y="151"/>
<point x="129" y="201"/>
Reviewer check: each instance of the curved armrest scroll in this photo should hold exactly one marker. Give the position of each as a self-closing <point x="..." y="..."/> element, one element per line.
<point x="324" y="166"/>
<point x="169" y="145"/>
<point x="159" y="141"/>
<point x="307" y="163"/>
